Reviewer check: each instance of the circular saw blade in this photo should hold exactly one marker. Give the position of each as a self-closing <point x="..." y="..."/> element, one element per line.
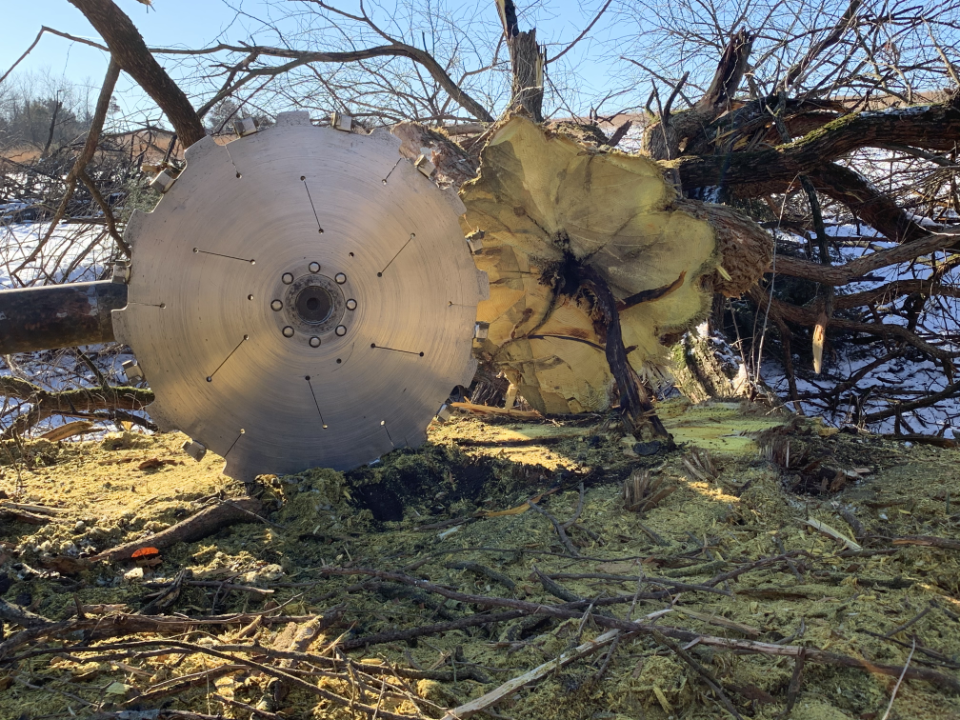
<point x="301" y="297"/>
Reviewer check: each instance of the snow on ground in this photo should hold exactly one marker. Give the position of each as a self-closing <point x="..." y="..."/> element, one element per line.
<point x="77" y="252"/>
<point x="900" y="379"/>
<point x="74" y="252"/>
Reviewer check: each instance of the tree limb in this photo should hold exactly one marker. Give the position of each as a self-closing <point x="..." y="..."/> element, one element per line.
<point x="926" y="401"/>
<point x="855" y="269"/>
<point x="833" y="38"/>
<point x="878" y="210"/>
<point x="304" y="57"/>
<point x="809" y="317"/>
<point x="580" y="37"/>
<point x="78" y="171"/>
<point x="933" y="127"/>
<point x="68" y="402"/>
<point x="131" y="53"/>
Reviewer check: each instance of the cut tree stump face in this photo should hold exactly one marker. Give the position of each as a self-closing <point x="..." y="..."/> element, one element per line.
<point x="548" y="208"/>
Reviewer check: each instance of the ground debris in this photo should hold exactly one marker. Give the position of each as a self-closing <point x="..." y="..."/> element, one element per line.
<point x="500" y="577"/>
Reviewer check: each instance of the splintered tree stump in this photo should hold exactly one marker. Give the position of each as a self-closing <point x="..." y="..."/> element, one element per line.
<point x="595" y="266"/>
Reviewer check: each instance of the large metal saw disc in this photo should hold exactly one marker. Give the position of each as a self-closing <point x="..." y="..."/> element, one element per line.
<point x="301" y="297"/>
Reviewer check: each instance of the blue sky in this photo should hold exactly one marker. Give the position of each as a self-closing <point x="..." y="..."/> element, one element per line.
<point x="196" y="23"/>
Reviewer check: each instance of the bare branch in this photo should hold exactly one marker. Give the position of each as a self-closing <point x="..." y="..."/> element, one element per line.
<point x="582" y="35"/>
<point x="129" y="50"/>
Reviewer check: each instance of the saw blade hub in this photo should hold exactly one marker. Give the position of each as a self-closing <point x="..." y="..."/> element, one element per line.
<point x="313" y="305"/>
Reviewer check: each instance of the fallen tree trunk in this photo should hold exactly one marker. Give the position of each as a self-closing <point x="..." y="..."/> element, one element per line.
<point x="56" y="316"/>
<point x="595" y="266"/>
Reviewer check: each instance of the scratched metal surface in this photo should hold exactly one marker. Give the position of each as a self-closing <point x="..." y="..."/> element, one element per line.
<point x="210" y="260"/>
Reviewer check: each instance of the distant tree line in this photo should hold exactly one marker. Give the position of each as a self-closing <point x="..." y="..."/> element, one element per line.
<point x="40" y="114"/>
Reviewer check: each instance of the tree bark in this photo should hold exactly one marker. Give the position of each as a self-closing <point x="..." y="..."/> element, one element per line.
<point x="131" y="53"/>
<point x="662" y="140"/>
<point x="56" y="316"/>
<point x="935" y="127"/>
<point x="639" y="415"/>
<point x="76" y="403"/>
<point x="526" y="60"/>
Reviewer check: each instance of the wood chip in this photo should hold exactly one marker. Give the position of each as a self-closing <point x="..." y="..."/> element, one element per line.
<point x="721" y="622"/>
<point x="157" y="462"/>
<point x="834" y="533"/>
<point x="67" y="431"/>
<point x="928" y="541"/>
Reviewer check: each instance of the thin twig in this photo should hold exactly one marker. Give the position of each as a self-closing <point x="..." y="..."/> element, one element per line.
<point x="893" y="695"/>
<point x="558" y="527"/>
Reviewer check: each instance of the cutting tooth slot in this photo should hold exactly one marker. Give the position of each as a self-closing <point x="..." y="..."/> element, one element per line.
<point x="198" y="251"/>
<point x="156" y="305"/>
<point x="317" y="404"/>
<point x="391" y="170"/>
<point x="313" y="207"/>
<point x="383" y="424"/>
<point x="210" y="376"/>
<point x="234" y="443"/>
<point x="409" y="240"/>
<point x="384" y="347"/>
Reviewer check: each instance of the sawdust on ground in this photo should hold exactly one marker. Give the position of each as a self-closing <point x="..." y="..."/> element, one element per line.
<point x="399" y="513"/>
